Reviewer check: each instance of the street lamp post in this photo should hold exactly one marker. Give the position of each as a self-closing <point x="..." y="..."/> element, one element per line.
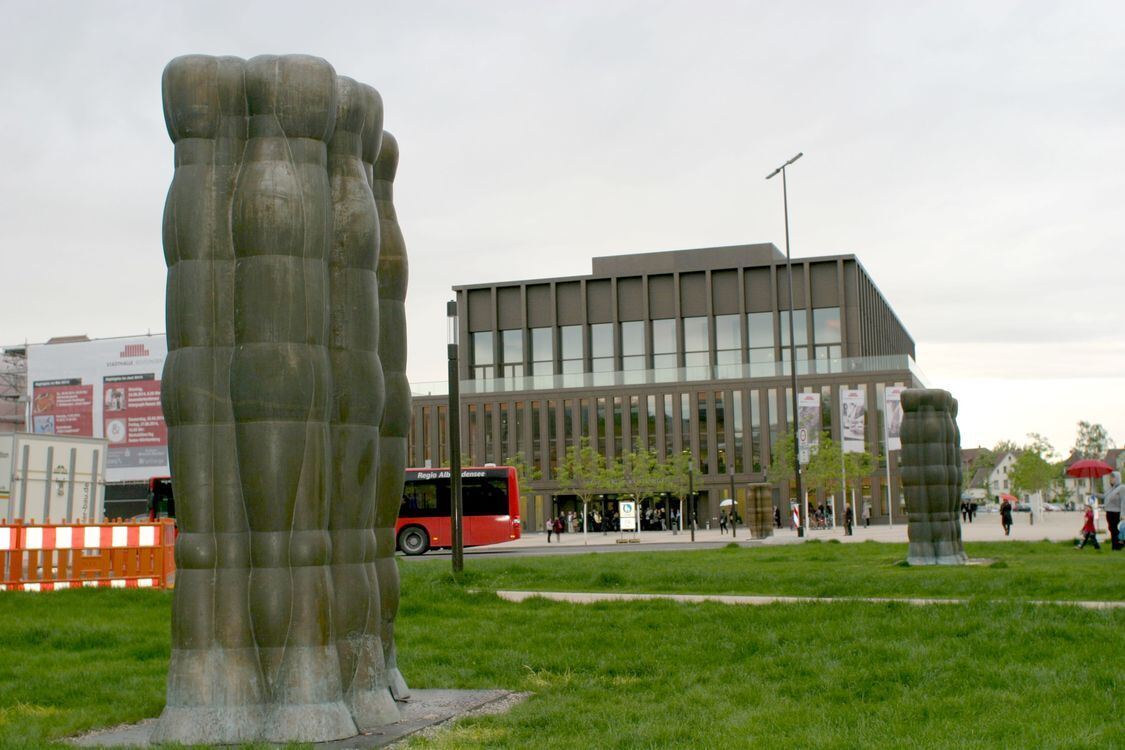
<point x="456" y="516"/>
<point x="792" y="340"/>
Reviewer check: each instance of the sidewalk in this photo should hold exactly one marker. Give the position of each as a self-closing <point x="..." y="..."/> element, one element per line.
<point x="1057" y="526"/>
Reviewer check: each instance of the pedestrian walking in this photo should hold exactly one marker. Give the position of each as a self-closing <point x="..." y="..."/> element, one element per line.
<point x="1089" y="534"/>
<point x="722" y="522"/>
<point x="972" y="510"/>
<point x="776" y="517"/>
<point x="849" y="518"/>
<point x="1112" y="502"/>
<point x="550" y="529"/>
<point x="866" y="514"/>
<point x="964" y="511"/>
<point x="1006" y="516"/>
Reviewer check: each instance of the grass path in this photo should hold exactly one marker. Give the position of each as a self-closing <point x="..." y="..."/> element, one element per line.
<point x="997" y="671"/>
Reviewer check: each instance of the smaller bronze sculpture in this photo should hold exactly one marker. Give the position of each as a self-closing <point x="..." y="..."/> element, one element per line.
<point x="931" y="477"/>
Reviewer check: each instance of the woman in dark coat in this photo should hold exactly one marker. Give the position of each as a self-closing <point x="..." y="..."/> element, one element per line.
<point x="1006" y="516"/>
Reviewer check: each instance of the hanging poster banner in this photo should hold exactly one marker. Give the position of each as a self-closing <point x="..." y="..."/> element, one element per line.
<point x="853" y="419"/>
<point x="808" y="425"/>
<point x="62" y="407"/>
<point x="104" y="388"/>
<point x="893" y="412"/>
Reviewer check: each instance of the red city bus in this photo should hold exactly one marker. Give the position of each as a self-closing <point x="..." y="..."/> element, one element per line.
<point x="490" y="499"/>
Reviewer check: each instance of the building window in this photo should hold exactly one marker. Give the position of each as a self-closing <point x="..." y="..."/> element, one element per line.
<point x="761" y="346"/>
<point x="542" y="352"/>
<point x="755" y="432"/>
<point x="571" y="338"/>
<point x="664" y="344"/>
<point x="633" y="345"/>
<point x="601" y="347"/>
<point x="695" y="342"/>
<point x="826" y="334"/>
<point x="602" y="425"/>
<point x="511" y="344"/>
<point x="552" y="439"/>
<point x="489" y="448"/>
<point x="704" y="433"/>
<point x="484" y="357"/>
<point x="800" y="338"/>
<point x="618" y="424"/>
<point x="736" y="421"/>
<point x="651" y="422"/>
<point x="728" y="340"/>
<point x="721" y="433"/>
<point x="669" y="430"/>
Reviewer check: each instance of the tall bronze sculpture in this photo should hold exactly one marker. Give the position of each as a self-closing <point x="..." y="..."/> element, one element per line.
<point x="275" y="401"/>
<point x="931" y="477"/>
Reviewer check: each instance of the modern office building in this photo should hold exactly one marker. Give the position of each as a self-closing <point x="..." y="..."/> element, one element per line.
<point x="675" y="351"/>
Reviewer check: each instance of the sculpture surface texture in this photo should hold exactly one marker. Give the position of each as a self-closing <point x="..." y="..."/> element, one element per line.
<point x="287" y="449"/>
<point x="931" y="477"/>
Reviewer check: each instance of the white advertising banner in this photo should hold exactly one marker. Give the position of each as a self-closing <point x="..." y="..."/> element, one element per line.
<point x="808" y="425"/>
<point x="104" y="388"/>
<point x="893" y="413"/>
<point x="628" y="510"/>
<point x="853" y="419"/>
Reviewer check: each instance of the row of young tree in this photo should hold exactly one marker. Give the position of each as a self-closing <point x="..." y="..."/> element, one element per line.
<point x="637" y="474"/>
<point x="640" y="473"/>
<point x="585" y="473"/>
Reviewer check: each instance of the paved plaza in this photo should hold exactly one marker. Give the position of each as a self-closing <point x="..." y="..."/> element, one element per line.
<point x="1054" y="526"/>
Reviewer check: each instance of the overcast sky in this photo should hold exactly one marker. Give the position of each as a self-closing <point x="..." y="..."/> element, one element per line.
<point x="971" y="154"/>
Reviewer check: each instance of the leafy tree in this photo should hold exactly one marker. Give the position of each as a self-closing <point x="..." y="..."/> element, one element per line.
<point x="1040" y="445"/>
<point x="780" y="470"/>
<point x="825" y="466"/>
<point x="1092" y="441"/>
<point x="525" y="471"/>
<point x="1031" y="473"/>
<point x="1002" y="447"/>
<point x="675" y="472"/>
<point x="857" y="466"/>
<point x="583" y="473"/>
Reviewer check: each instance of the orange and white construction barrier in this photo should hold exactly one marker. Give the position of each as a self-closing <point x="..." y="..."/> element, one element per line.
<point x="50" y="557"/>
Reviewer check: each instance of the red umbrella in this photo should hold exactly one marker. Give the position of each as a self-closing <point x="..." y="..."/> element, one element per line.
<point x="1009" y="498"/>
<point x="1090" y="468"/>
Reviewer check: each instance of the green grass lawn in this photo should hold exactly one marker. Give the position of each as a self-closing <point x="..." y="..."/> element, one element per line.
<point x="659" y="674"/>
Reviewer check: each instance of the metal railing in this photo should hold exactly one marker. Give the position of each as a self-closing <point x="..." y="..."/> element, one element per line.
<point x="859" y="366"/>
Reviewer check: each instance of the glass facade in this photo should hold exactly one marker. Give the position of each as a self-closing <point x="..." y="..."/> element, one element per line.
<point x="663" y="344"/>
<point x="728" y="340"/>
<point x="542" y="352"/>
<point x="633" y="345"/>
<point x="736" y="423"/>
<point x="665" y="373"/>
<point x="695" y="342"/>
<point x="826" y="335"/>
<point x="800" y="339"/>
<point x="601" y="347"/>
<point x="721" y="455"/>
<point x="484" y="356"/>
<point x="572" y="358"/>
<point x="511" y="351"/>
<point x="761" y="346"/>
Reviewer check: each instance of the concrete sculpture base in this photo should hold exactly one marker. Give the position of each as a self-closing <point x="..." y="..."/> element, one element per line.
<point x="425" y="711"/>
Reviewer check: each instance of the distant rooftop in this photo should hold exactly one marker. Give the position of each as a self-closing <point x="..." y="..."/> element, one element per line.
<point x="699" y="259"/>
